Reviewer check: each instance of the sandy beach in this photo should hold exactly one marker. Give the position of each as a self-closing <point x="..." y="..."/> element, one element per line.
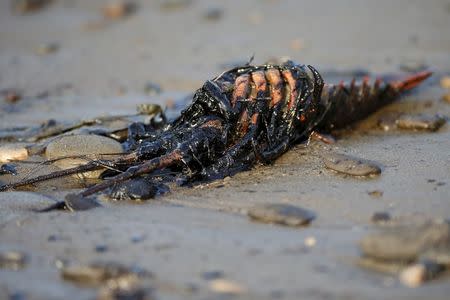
<point x="69" y="62"/>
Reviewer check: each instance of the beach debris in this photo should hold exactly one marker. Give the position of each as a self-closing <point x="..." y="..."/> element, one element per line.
<point x="420" y="122"/>
<point x="283" y="214"/>
<point x="13" y="260"/>
<point x="12" y="152"/>
<point x="226" y="286"/>
<point x="350" y="165"/>
<point x="74" y="150"/>
<point x="8" y="169"/>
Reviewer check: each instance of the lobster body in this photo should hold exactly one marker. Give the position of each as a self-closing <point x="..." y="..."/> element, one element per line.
<point x="243" y="116"/>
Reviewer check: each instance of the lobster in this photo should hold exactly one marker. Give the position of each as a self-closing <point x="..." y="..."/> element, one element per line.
<point x="246" y="115"/>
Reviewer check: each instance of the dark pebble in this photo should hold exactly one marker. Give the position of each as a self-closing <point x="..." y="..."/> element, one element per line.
<point x="13" y="260"/>
<point x="210" y="275"/>
<point x="137" y="238"/>
<point x="26" y="6"/>
<point x="76" y="202"/>
<point x="213" y="14"/>
<point x="380" y="216"/>
<point x="101" y="248"/>
<point x="98" y="273"/>
<point x="17" y="296"/>
<point x="123" y="292"/>
<point x="283" y="214"/>
<point x="8" y="169"/>
<point x="375" y="193"/>
<point x="350" y="165"/>
<point x="134" y="189"/>
<point x="420" y="122"/>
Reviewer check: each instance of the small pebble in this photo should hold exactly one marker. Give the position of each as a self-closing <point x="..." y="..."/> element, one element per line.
<point x="97" y="274"/>
<point x="47" y="48"/>
<point x="350" y="165"/>
<point x="173" y="5"/>
<point x="76" y="202"/>
<point x="380" y="216"/>
<point x="211" y="275"/>
<point x="134" y="189"/>
<point x="406" y="242"/>
<point x="13" y="260"/>
<point x="101" y="248"/>
<point x="129" y="291"/>
<point x="446" y="98"/>
<point x="149" y="109"/>
<point x="137" y="238"/>
<point x="8" y="169"/>
<point x="283" y="214"/>
<point x="310" y="241"/>
<point x="445" y="82"/>
<point x="152" y="89"/>
<point x="225" y="286"/>
<point x="421" y="122"/>
<point x="375" y="193"/>
<point x="213" y="14"/>
<point x="417" y="274"/>
<point x="26" y="6"/>
<point x="93" y="146"/>
<point x="12" y="152"/>
<point x="413" y="65"/>
<point x="118" y="9"/>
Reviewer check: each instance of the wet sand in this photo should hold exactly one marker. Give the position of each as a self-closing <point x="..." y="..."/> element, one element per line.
<point x="104" y="70"/>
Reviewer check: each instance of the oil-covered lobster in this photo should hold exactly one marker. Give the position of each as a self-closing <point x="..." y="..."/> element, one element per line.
<point x="243" y="116"/>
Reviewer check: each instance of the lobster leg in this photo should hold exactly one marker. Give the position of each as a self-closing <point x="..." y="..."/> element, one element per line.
<point x="91" y="166"/>
<point x="209" y="133"/>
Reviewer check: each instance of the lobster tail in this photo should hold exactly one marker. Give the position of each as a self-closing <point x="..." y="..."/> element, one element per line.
<point x="344" y="104"/>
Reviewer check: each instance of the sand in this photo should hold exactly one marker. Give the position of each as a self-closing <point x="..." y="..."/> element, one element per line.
<point x="102" y="68"/>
